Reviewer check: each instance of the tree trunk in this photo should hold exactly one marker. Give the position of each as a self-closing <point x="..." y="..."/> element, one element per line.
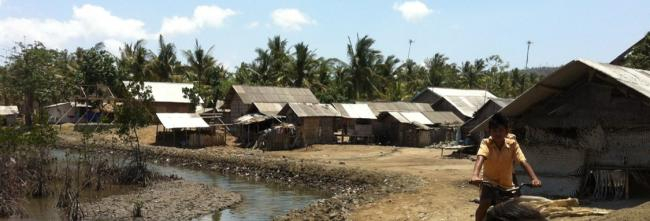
<point x="29" y="108"/>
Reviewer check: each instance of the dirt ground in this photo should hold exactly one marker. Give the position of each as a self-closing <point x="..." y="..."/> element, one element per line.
<point x="444" y="196"/>
<point x="173" y="200"/>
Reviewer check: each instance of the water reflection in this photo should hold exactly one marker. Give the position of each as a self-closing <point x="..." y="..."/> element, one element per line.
<point x="260" y="200"/>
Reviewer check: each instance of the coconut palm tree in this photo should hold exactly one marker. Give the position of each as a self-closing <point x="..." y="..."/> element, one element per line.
<point x="303" y="64"/>
<point x="165" y="65"/>
<point x="279" y="61"/>
<point x="361" y="67"/>
<point x="134" y="60"/>
<point x="200" y="62"/>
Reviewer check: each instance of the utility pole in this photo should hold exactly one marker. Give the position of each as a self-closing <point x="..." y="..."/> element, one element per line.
<point x="408" y="56"/>
<point x="527" y="52"/>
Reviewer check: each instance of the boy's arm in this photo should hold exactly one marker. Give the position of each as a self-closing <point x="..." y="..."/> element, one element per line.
<point x="476" y="175"/>
<point x="531" y="173"/>
<point x="529" y="169"/>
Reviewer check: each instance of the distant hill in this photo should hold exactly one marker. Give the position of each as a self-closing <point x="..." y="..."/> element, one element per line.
<point x="543" y="71"/>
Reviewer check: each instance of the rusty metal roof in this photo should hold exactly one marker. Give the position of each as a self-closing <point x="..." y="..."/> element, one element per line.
<point x="264" y="94"/>
<point x="354" y="111"/>
<point x="567" y="75"/>
<point x="310" y="110"/>
<point x="379" y="107"/>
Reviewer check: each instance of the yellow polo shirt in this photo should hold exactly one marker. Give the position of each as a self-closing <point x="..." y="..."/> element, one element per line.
<point x="499" y="162"/>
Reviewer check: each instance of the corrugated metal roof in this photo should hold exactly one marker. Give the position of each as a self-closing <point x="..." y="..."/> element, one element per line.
<point x="8" y="110"/>
<point x="443" y="117"/>
<point x="567" y="75"/>
<point x="465" y="100"/>
<point x="426" y="118"/>
<point x="410" y="117"/>
<point x="181" y="120"/>
<point x="502" y="102"/>
<point x="378" y="107"/>
<point x="269" y="109"/>
<point x="264" y="94"/>
<point x="311" y="110"/>
<point x="167" y="91"/>
<point x="355" y="111"/>
<point x="252" y="118"/>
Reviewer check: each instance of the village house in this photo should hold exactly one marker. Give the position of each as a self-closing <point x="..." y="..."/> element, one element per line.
<point x="8" y="115"/>
<point x="585" y="129"/>
<point x="463" y="102"/>
<point x="389" y="128"/>
<point x="487" y="110"/>
<point x="418" y="129"/>
<point x="240" y="99"/>
<point x="355" y="123"/>
<point x="187" y="130"/>
<point x="314" y="122"/>
<point x="169" y="98"/>
<point x="70" y="112"/>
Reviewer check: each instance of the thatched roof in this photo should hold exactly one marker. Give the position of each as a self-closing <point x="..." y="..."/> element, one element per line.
<point x="264" y="94"/>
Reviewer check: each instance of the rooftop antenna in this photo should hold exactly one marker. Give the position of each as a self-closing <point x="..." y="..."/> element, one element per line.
<point x="527" y="52"/>
<point x="408" y="56"/>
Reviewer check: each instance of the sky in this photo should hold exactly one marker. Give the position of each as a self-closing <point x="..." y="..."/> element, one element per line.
<point x="461" y="29"/>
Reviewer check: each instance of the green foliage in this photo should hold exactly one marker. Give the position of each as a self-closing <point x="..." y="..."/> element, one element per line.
<point x="135" y="111"/>
<point x="639" y="56"/>
<point x="35" y="75"/>
<point x="98" y="66"/>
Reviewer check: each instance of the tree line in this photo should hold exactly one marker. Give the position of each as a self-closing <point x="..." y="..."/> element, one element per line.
<point x="34" y="75"/>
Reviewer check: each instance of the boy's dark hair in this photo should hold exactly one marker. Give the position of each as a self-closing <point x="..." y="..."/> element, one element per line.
<point x="498" y="120"/>
<point x="512" y="210"/>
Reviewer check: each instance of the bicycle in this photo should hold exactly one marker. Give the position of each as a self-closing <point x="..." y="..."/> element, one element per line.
<point x="499" y="194"/>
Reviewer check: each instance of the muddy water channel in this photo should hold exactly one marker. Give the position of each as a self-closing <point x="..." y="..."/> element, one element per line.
<point x="261" y="200"/>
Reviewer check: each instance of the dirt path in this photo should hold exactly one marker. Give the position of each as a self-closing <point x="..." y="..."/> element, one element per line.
<point x="444" y="196"/>
<point x="172" y="200"/>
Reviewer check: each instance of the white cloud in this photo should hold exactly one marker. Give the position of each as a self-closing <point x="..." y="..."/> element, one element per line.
<point x="291" y="18"/>
<point x="204" y="16"/>
<point x="88" y="22"/>
<point x="412" y="11"/>
<point x="113" y="46"/>
<point x="1" y="1"/>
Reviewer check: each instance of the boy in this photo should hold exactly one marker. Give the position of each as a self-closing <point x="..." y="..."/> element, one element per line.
<point x="499" y="152"/>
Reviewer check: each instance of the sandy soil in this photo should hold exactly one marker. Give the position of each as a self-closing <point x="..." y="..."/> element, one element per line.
<point x="173" y="200"/>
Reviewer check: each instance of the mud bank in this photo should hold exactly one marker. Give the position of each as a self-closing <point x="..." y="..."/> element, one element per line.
<point x="350" y="187"/>
<point x="168" y="200"/>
